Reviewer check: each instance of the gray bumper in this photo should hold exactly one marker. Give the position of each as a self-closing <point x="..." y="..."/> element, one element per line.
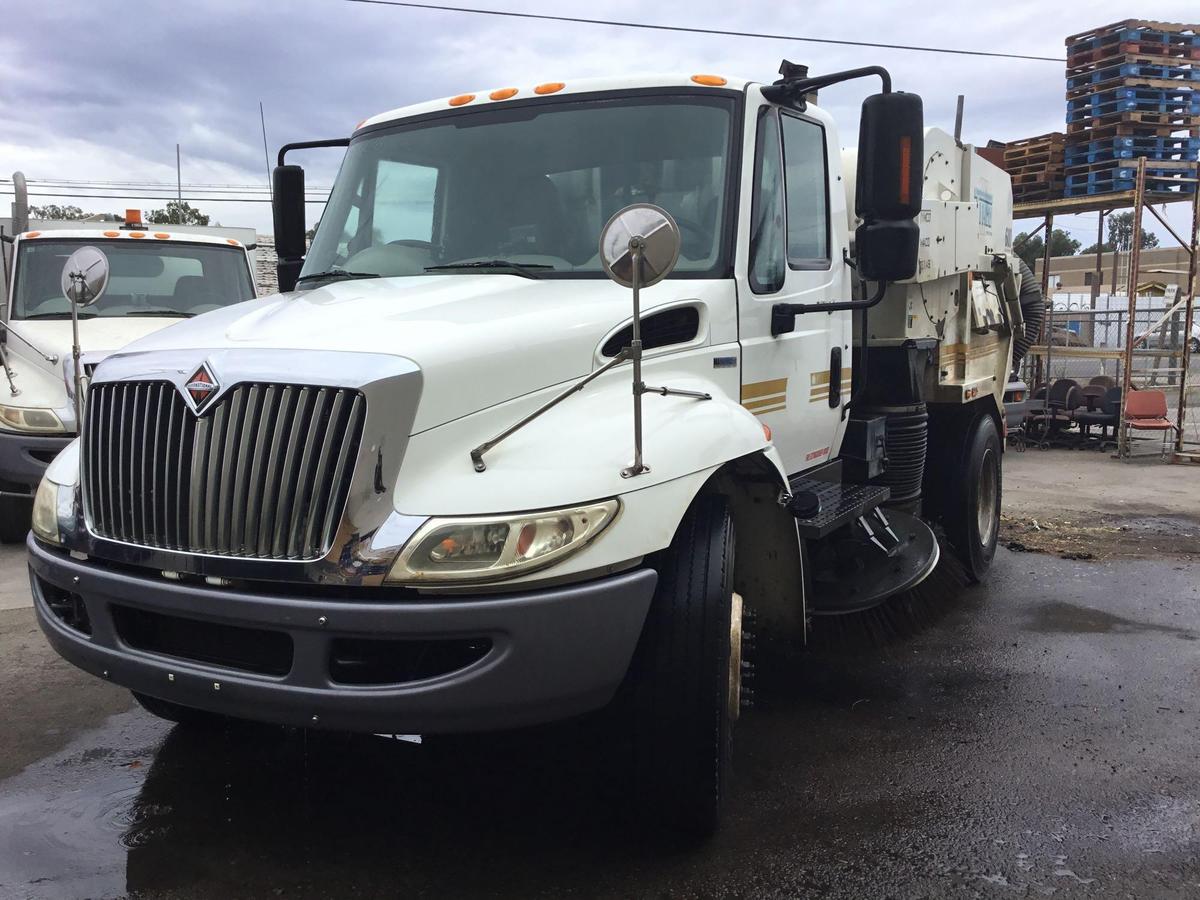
<point x="554" y="653"/>
<point x="23" y="460"/>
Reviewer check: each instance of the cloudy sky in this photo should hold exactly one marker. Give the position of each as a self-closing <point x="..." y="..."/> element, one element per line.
<point x="104" y="91"/>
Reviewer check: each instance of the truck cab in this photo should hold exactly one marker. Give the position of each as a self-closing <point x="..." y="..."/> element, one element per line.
<point x="574" y="379"/>
<point x="159" y="276"/>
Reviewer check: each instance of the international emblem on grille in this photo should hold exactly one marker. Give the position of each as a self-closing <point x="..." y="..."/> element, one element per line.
<point x="201" y="386"/>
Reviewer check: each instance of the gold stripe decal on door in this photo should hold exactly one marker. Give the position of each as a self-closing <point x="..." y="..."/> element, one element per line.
<point x="765" y="396"/>
<point x="819" y="381"/>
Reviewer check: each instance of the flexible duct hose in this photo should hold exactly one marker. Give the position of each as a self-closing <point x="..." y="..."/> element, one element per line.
<point x="1033" y="309"/>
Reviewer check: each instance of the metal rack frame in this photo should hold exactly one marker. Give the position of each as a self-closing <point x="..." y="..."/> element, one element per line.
<point x="1139" y="200"/>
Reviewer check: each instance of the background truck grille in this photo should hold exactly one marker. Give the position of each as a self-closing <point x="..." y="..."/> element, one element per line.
<point x="263" y="473"/>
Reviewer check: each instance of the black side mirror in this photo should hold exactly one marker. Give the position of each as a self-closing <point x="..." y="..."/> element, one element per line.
<point x="287" y="184"/>
<point x="891" y="151"/>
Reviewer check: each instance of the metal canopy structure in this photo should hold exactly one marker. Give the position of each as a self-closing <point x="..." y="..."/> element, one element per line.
<point x="1139" y="200"/>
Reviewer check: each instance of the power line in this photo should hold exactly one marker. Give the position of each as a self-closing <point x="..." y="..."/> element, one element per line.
<point x="165" y="197"/>
<point x="692" y="30"/>
<point x="147" y="185"/>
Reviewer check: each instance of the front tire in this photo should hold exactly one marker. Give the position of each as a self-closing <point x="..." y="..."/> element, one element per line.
<point x="684" y="685"/>
<point x="971" y="514"/>
<point x="15" y="515"/>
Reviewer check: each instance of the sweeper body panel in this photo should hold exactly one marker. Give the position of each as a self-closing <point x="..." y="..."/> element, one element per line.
<point x="416" y="493"/>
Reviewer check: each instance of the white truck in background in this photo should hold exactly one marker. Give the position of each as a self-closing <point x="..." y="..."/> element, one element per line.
<point x="452" y="480"/>
<point x="159" y="275"/>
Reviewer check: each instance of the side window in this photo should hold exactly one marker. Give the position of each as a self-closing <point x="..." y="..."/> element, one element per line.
<point x="767" y="264"/>
<point x="807" y="194"/>
<point x="404" y="199"/>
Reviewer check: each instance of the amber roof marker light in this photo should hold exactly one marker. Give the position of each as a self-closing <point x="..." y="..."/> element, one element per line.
<point x="461" y="99"/>
<point x="503" y="94"/>
<point x="550" y="87"/>
<point x="710" y="80"/>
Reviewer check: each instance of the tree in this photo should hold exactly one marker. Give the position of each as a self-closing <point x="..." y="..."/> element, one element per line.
<point x="1033" y="248"/>
<point x="178" y="212"/>
<point x="54" y="211"/>
<point x="1120" y="233"/>
<point x="1106" y="247"/>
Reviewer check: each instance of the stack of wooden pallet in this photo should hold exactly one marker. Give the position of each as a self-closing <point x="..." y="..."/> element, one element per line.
<point x="1036" y="167"/>
<point x="1133" y="90"/>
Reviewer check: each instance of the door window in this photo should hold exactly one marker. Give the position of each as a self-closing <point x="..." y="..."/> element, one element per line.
<point x="807" y="194"/>
<point x="767" y="213"/>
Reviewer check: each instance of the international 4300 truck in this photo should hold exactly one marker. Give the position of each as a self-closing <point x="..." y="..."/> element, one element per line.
<point x="158" y="275"/>
<point x="571" y="376"/>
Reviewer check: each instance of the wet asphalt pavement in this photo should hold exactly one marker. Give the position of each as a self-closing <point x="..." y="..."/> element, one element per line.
<point x="1037" y="737"/>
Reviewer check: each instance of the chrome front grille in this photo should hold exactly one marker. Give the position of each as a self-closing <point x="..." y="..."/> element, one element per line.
<point x="263" y="473"/>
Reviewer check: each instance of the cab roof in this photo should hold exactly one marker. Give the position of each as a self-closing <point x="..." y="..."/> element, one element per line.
<point x="498" y="95"/>
<point x="152" y="233"/>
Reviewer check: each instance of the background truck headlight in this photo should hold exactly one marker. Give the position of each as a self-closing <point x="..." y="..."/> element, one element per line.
<point x="45" y="511"/>
<point x="486" y="548"/>
<point x="38" y="421"/>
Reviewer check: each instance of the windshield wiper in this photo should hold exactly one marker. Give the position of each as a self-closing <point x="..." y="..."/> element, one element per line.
<point x="337" y="273"/>
<point x="524" y="269"/>
<point x="62" y="315"/>
<point x="159" y="313"/>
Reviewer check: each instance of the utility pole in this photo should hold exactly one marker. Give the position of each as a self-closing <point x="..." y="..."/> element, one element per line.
<point x="178" y="176"/>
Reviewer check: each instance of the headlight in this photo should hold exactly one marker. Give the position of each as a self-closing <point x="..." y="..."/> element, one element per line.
<point x="45" y="511"/>
<point x="492" y="547"/>
<point x="18" y="418"/>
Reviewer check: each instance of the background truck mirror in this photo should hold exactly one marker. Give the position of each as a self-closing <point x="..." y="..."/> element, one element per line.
<point x="288" y="207"/>
<point x="891" y="152"/>
<point x="887" y="251"/>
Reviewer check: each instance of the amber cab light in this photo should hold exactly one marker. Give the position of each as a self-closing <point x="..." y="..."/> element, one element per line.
<point x="461" y="99"/>
<point x="550" y="87"/>
<point x="710" y="80"/>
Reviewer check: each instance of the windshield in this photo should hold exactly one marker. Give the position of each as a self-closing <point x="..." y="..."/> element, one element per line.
<point x="164" y="278"/>
<point x="531" y="185"/>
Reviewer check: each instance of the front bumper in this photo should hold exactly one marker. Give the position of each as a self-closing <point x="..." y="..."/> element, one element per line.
<point x="23" y="460"/>
<point x="554" y="653"/>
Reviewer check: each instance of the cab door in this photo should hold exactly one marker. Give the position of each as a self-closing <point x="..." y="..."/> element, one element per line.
<point x="791" y="242"/>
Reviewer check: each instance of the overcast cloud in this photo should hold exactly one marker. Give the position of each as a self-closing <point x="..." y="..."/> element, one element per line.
<point x="104" y="91"/>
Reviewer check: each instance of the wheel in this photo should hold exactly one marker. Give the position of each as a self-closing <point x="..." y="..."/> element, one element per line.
<point x="181" y="715"/>
<point x="971" y="497"/>
<point x="15" y="513"/>
<point x="684" y="685"/>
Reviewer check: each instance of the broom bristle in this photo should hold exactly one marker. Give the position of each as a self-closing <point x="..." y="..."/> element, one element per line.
<point x="899" y="617"/>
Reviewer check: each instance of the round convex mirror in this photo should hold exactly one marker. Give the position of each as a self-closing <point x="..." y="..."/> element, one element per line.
<point x="660" y="244"/>
<point x="85" y="276"/>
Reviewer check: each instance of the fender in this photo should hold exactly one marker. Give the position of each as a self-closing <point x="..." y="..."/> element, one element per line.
<point x="574" y="454"/>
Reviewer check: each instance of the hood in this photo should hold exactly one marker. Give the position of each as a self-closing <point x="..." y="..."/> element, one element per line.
<point x="479" y="339"/>
<point x="97" y="337"/>
<point x="44" y="384"/>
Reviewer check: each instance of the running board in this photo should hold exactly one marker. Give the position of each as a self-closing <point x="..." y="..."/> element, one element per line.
<point x="822" y="507"/>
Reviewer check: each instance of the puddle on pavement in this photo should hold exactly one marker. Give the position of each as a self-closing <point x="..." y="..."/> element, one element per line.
<point x="1057" y="617"/>
<point x="253" y="808"/>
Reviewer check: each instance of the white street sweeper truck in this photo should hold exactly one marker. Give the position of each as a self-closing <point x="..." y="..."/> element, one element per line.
<point x="572" y="376"/>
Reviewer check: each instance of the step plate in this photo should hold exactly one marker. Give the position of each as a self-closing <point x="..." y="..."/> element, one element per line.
<point x="862" y="577"/>
<point x="840" y="504"/>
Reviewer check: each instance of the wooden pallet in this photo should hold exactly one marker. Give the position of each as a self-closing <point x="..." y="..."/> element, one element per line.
<point x="1131" y="58"/>
<point x="1121" y="129"/>
<point x="1158" y="83"/>
<point x="1053" y="138"/>
<point x="1129" y="24"/>
<point x="1172" y="122"/>
<point x="1035" y="160"/>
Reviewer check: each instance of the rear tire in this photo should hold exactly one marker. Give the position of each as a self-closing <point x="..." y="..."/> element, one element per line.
<point x="15" y="516"/>
<point x="971" y="510"/>
<point x="683" y="687"/>
<point x="186" y="716"/>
